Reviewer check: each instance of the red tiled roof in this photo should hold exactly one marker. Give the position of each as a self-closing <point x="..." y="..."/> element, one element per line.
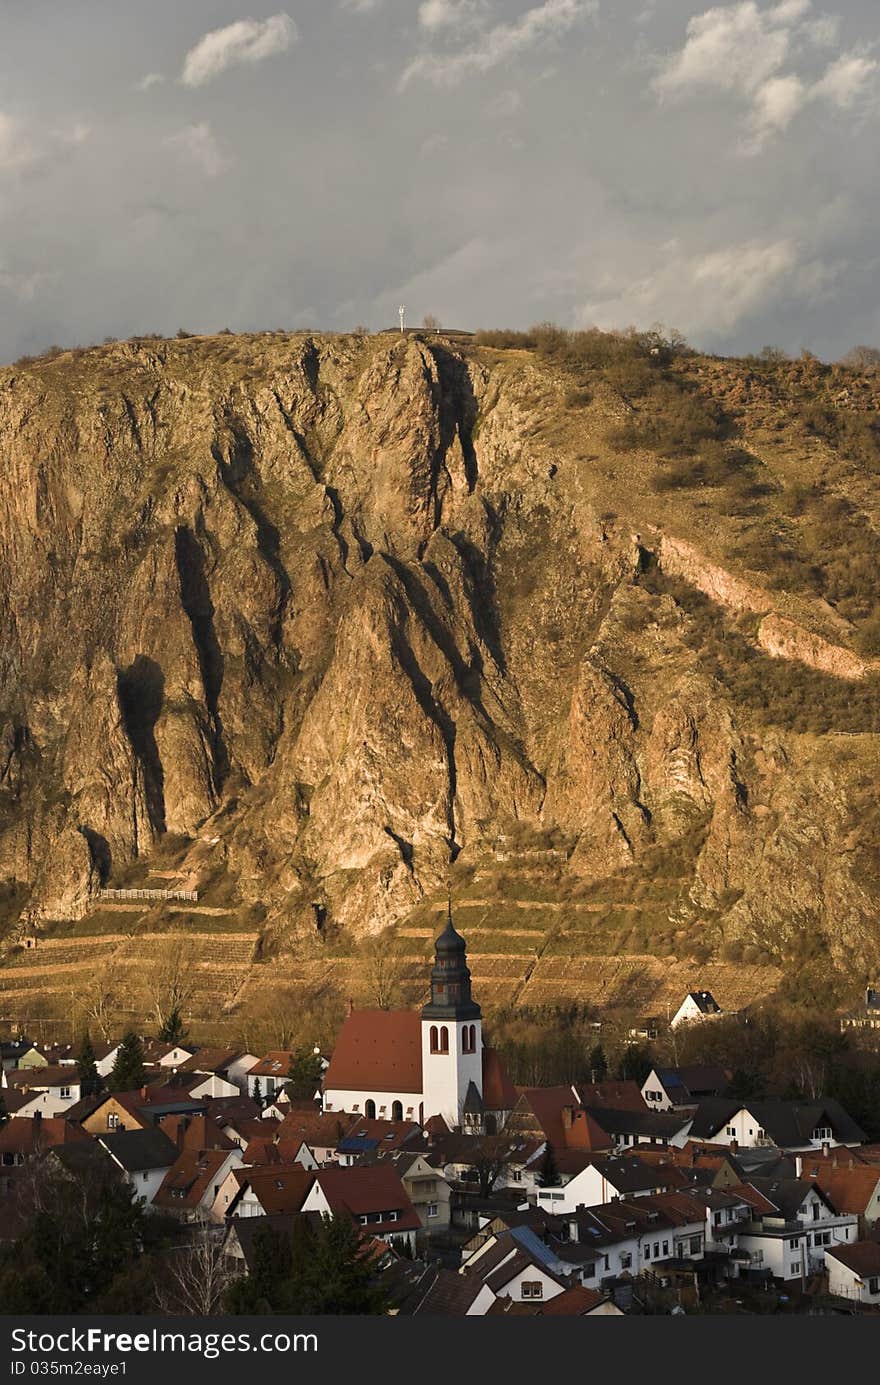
<point x="25" y="1135"/>
<point x="499" y="1093"/>
<point x="35" y="1079"/>
<point x="279" y="1188"/>
<point x="612" y="1096"/>
<point x="189" y="1178"/>
<point x="863" y="1257"/>
<point x="850" y="1190"/>
<point x="276" y="1063"/>
<point x="573" y="1303"/>
<point x="317" y="1128"/>
<point x="377" y="1051"/>
<point x="210" y="1060"/>
<point x="368" y="1189"/>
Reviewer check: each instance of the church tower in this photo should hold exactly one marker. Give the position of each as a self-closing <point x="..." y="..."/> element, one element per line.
<point x="452" y="1038"/>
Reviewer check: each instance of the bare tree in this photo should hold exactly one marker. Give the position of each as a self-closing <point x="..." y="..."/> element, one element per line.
<point x="172" y="984"/>
<point x="862" y="358"/>
<point x="431" y="323"/>
<point x="101" y="1003"/>
<point x="383" y="972"/>
<point x="491" y="1158"/>
<point x="198" y="1274"/>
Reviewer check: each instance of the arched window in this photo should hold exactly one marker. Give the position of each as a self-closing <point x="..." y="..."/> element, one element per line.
<point x="370" y="1109"/>
<point x="469" y="1039"/>
<point x="435" y="1046"/>
<point x="397" y="1110"/>
<point x="444" y="1039"/>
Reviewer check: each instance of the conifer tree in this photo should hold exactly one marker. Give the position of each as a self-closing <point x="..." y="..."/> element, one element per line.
<point x="87" y="1068"/>
<point x="128" y="1069"/>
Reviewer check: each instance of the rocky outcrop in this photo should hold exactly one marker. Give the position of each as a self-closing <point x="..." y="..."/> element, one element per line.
<point x="349" y="608"/>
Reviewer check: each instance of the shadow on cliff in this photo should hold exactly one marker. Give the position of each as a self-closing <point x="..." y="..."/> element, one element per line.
<point x="196" y="600"/>
<point x="141" y="689"/>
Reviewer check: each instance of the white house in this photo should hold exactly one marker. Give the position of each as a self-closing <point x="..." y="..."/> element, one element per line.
<point x="602" y="1181"/>
<point x="790" y="1125"/>
<point x="144" y="1156"/>
<point x="48" y="1091"/>
<point x="697" y="1005"/>
<point x="794" y="1225"/>
<point x="854" y="1271"/>
<point x="399" y="1065"/>
<point x="372" y="1195"/>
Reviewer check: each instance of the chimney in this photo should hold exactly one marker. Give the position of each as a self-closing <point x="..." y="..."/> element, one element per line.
<point x="798" y="1166"/>
<point x="826" y="1149"/>
<point x="567" y="1117"/>
<point x="143" y="1093"/>
<point x="734" y="1146"/>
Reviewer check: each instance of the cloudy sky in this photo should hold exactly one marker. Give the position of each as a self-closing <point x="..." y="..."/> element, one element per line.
<point x="494" y="162"/>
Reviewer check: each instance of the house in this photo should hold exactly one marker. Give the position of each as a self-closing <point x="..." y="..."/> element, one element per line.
<point x="190" y="1187"/>
<point x="789" y="1125"/>
<point x="373" y="1196"/>
<point x="792" y="1227"/>
<point x="625" y="1129"/>
<point x="159" y="1053"/>
<point x="270" y="1072"/>
<point x="442" y="1292"/>
<point x="144" y="1156"/>
<point x="580" y="1303"/>
<point x="426" y="1188"/>
<point x="675" y="1089"/>
<point x="320" y="1132"/>
<point x="27" y="1137"/>
<point x="50" y="1090"/>
<point x="137" y="1110"/>
<point x="605" y="1180"/>
<point x="405" y="1065"/>
<point x="240" y="1240"/>
<point x="555" y="1115"/>
<point x="13" y="1052"/>
<point x="366" y="1138"/>
<point x="851" y="1187"/>
<point x="854" y="1271"/>
<point x="697" y="1005"/>
<point x="866" y="1018"/>
<point x="262" y="1192"/>
<point x="225" y="1069"/>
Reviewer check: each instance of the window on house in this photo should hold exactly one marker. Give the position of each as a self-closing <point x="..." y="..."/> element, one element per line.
<point x="795" y="1267"/>
<point x="656" y="1249"/>
<point x="370" y="1109"/>
<point x="397" y="1110"/>
<point x="874" y="1286"/>
<point x="433" y="1209"/>
<point x="65" y="1093"/>
<point x="444" y="1039"/>
<point x="625" y="1260"/>
<point x="793" y="1244"/>
<point x="647" y="1252"/>
<point x="716" y="1218"/>
<point x="532" y="1288"/>
<point x="363" y="1220"/>
<point x="589" y="1271"/>
<point x="696" y="1244"/>
<point x="731" y="1130"/>
<point x="112" y="1121"/>
<point x="665" y="1247"/>
<point x="817" y="1209"/>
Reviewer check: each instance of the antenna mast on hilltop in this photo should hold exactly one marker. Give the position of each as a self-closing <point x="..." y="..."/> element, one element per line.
<point x="402" y="312"/>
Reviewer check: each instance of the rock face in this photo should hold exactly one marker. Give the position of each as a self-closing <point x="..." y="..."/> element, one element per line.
<point x="352" y="607"/>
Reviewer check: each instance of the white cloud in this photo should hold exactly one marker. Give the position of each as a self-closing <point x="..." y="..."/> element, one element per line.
<point x="74" y="134"/>
<point x="450" y="14"/>
<point x="752" y="52"/>
<point x="16" y="146"/>
<point x="846" y="79"/>
<point x="197" y="145"/>
<point x="361" y="6"/>
<point x="707" y="294"/>
<point x="732" y="48"/>
<point x="151" y="79"/>
<point x="500" y="43"/>
<point x="245" y="41"/>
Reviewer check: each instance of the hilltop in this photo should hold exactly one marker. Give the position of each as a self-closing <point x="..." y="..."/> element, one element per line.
<point x="581" y="628"/>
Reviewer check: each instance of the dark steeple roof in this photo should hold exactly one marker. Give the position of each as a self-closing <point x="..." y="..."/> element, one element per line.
<point x="450" y="979"/>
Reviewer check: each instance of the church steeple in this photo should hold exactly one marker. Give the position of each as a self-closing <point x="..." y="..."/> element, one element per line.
<point x="450" y="978"/>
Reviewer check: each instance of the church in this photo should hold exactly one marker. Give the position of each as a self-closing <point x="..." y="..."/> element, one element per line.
<point x="411" y="1065"/>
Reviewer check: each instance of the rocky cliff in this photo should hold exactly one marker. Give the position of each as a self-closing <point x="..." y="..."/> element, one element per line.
<point x="333" y="616"/>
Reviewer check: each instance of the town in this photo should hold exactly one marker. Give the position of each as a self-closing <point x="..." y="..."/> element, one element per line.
<point x="405" y="1173"/>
